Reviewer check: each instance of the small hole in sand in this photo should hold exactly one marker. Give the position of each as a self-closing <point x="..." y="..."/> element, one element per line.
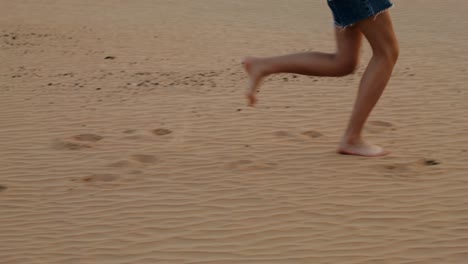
<point x="431" y="162"/>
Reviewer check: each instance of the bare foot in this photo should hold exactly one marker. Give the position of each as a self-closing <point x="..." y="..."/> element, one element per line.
<point x="253" y="68"/>
<point x="361" y="148"/>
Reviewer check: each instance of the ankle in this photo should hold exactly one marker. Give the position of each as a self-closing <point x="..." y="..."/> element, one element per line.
<point x="263" y="67"/>
<point x="256" y="66"/>
<point x="351" y="139"/>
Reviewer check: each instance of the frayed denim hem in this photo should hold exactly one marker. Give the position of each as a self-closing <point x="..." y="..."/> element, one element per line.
<point x="374" y="16"/>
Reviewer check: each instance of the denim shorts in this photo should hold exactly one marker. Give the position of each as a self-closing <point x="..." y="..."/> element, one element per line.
<point x="348" y="12"/>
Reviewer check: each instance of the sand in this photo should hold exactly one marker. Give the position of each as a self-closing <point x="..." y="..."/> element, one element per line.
<point x="125" y="137"/>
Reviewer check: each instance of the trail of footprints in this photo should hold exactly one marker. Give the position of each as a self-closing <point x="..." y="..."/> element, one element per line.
<point x="395" y="170"/>
<point x="371" y="127"/>
<point x="136" y="161"/>
<point x="89" y="141"/>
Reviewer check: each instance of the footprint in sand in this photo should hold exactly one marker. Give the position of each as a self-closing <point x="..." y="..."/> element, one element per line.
<point x="379" y="126"/>
<point x="134" y="161"/>
<point x="297" y="138"/>
<point x="410" y="166"/>
<point x="248" y="165"/>
<point x="142" y="158"/>
<point x="161" y="132"/>
<point x="100" y="178"/>
<point x="87" y="137"/>
<point x="69" y="145"/>
<point x="312" y="134"/>
<point x="283" y="134"/>
<point x="133" y="134"/>
<point x="77" y="142"/>
<point x="130" y="131"/>
<point x="381" y="123"/>
<point x="122" y="164"/>
<point x="3" y="188"/>
<point x="134" y="137"/>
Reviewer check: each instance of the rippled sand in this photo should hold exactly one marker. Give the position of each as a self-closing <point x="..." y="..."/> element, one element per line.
<point x="125" y="137"/>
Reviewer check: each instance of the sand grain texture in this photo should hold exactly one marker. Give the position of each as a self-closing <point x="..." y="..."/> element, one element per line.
<point x="125" y="137"/>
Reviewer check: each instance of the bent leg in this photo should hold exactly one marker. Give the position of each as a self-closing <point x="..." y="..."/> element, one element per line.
<point x="343" y="62"/>
<point x="381" y="36"/>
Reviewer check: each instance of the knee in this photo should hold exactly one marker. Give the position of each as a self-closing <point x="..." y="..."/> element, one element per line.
<point x="390" y="53"/>
<point x="396" y="53"/>
<point x="346" y="66"/>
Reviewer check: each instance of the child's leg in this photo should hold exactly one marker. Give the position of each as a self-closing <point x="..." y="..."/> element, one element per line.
<point x="343" y="62"/>
<point x="380" y="34"/>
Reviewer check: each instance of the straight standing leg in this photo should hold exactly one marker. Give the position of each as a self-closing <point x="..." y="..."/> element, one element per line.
<point x="381" y="36"/>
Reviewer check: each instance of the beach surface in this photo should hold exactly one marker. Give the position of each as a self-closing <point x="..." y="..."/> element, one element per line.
<point x="126" y="138"/>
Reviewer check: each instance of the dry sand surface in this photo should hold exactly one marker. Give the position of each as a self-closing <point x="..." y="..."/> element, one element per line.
<point x="125" y="137"/>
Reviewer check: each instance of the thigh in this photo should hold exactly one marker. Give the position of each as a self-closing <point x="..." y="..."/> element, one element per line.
<point x="348" y="42"/>
<point x="379" y="31"/>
